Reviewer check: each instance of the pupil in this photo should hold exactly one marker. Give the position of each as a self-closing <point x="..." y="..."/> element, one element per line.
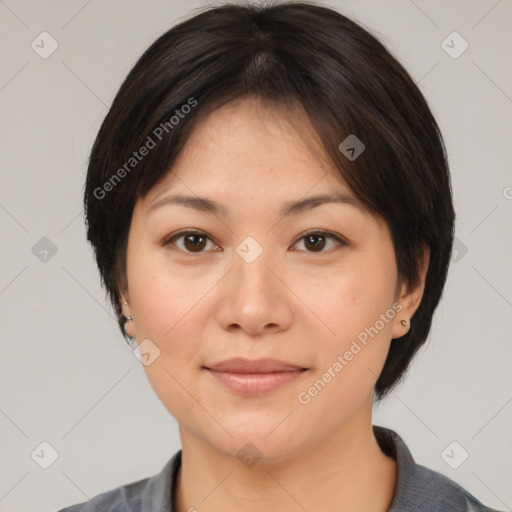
<point x="312" y="238"/>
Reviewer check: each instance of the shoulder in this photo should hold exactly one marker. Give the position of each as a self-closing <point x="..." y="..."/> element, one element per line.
<point x="442" y="494"/>
<point x="126" y="498"/>
<point x="152" y="493"/>
<point x="420" y="489"/>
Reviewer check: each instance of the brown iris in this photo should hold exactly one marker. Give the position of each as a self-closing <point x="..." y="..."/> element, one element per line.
<point x="314" y="241"/>
<point x="194" y="241"/>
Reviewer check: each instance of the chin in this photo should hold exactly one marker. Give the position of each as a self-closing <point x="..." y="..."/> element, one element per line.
<point x="266" y="441"/>
<point x="261" y="451"/>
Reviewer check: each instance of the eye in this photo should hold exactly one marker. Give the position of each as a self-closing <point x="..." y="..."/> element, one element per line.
<point x="316" y="241"/>
<point x="193" y="241"/>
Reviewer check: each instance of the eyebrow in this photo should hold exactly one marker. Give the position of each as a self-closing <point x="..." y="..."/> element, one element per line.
<point x="289" y="208"/>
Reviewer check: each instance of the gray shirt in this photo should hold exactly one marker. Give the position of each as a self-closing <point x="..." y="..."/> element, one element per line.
<point x="418" y="489"/>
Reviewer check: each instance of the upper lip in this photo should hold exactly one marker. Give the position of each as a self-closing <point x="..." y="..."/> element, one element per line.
<point x="241" y="365"/>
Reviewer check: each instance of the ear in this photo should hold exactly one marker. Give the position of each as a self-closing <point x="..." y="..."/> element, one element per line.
<point x="124" y="298"/>
<point x="410" y="298"/>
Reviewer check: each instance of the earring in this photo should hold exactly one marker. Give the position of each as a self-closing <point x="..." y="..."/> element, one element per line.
<point x="126" y="303"/>
<point x="404" y="323"/>
<point x="131" y="341"/>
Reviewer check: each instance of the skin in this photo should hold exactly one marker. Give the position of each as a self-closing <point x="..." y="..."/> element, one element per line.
<point x="293" y="303"/>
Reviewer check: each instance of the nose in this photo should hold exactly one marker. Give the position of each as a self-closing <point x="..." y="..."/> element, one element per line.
<point x="255" y="298"/>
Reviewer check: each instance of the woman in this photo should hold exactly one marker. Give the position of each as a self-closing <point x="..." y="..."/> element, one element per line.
<point x="270" y="206"/>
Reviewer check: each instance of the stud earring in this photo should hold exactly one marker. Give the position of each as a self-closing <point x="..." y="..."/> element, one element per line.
<point x="404" y="323"/>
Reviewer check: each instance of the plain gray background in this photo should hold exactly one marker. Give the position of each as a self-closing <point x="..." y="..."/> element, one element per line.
<point x="67" y="376"/>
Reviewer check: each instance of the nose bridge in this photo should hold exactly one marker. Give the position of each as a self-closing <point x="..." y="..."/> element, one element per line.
<point x="252" y="263"/>
<point x="256" y="299"/>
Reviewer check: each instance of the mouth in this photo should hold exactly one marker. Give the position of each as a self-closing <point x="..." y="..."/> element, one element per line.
<point x="254" y="378"/>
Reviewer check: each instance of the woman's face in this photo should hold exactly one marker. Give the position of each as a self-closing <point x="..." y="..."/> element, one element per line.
<point x="253" y="285"/>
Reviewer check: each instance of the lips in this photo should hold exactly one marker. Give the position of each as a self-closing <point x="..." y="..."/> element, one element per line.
<point x="254" y="377"/>
<point x="247" y="366"/>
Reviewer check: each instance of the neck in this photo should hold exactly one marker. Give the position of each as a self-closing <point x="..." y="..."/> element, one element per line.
<point x="346" y="471"/>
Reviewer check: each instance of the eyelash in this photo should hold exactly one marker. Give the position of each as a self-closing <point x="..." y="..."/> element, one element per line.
<point x="169" y="240"/>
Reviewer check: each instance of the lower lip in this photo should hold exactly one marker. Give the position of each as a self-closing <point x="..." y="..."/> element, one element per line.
<point x="255" y="384"/>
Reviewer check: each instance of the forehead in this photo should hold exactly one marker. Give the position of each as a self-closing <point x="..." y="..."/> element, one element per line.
<point x="252" y="146"/>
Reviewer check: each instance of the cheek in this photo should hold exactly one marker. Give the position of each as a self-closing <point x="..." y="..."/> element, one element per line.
<point x="352" y="298"/>
<point x="355" y="308"/>
<point x="355" y="347"/>
<point x="164" y="298"/>
<point x="169" y="309"/>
